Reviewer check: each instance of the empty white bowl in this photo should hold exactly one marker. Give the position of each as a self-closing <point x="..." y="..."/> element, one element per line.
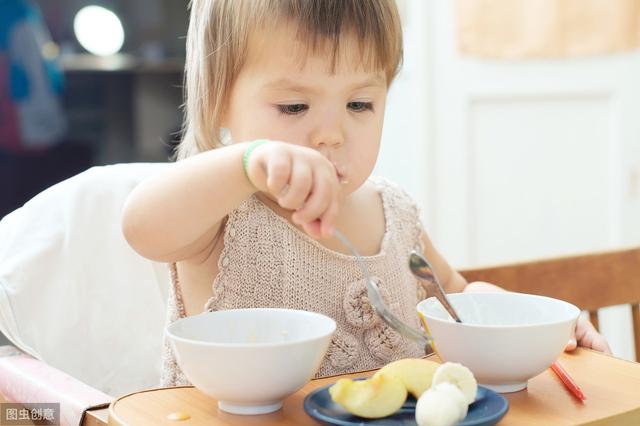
<point x="504" y="338"/>
<point x="251" y="359"/>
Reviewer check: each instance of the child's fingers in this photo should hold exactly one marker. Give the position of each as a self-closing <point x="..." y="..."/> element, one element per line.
<point x="577" y="333"/>
<point x="313" y="229"/>
<point x="586" y="335"/>
<point x="316" y="204"/>
<point x="300" y="183"/>
<point x="602" y="345"/>
<point x="599" y="343"/>
<point x="572" y="344"/>
<point x="589" y="337"/>
<point x="328" y="219"/>
<point x="278" y="171"/>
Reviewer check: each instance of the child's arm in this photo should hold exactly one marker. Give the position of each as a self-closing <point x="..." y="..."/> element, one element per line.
<point x="451" y="280"/>
<point x="175" y="215"/>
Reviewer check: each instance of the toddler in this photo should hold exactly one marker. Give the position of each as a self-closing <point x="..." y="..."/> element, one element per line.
<point x="285" y="102"/>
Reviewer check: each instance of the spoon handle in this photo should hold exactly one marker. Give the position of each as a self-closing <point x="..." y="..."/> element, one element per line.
<point x="376" y="301"/>
<point x="442" y="295"/>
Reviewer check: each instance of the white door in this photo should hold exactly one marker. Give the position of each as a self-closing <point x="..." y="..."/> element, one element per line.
<point x="534" y="158"/>
<point x="526" y="159"/>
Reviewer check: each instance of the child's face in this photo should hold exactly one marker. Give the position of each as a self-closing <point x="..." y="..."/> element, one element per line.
<point x="279" y="97"/>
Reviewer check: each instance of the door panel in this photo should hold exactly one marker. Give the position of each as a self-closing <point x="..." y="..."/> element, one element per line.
<point x="532" y="158"/>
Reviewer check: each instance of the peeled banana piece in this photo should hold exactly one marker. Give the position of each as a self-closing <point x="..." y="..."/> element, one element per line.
<point x="458" y="375"/>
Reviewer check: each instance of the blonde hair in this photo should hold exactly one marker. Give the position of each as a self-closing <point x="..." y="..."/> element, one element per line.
<point x="217" y="44"/>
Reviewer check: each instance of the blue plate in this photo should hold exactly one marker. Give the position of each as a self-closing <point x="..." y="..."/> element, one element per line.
<point x="488" y="408"/>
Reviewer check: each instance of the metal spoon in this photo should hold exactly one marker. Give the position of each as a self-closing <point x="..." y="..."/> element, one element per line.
<point x="376" y="301"/>
<point x="421" y="268"/>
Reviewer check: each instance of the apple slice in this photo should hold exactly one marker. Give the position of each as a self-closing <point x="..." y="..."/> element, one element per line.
<point x="379" y="396"/>
<point x="416" y="374"/>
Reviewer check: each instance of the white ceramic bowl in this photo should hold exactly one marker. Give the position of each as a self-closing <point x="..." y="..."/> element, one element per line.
<point x="504" y="338"/>
<point x="251" y="359"/>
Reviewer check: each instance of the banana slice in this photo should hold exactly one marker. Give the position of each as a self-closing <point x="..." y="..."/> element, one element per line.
<point x="458" y="375"/>
<point x="455" y="394"/>
<point x="442" y="405"/>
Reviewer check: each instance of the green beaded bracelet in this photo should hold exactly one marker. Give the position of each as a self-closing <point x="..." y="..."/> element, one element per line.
<point x="247" y="153"/>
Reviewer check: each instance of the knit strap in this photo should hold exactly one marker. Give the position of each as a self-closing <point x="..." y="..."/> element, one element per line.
<point x="175" y="292"/>
<point x="401" y="210"/>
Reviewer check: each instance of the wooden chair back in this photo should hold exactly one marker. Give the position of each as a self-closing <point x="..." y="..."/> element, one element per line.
<point x="589" y="281"/>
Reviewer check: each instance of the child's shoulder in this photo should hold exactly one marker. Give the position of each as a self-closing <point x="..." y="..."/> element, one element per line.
<point x="383" y="197"/>
<point x="391" y="192"/>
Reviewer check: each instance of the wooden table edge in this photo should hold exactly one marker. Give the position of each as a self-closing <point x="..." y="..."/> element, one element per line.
<point x="107" y="416"/>
<point x="599" y="353"/>
<point x="113" y="419"/>
<point x="96" y="417"/>
<point x="627" y="418"/>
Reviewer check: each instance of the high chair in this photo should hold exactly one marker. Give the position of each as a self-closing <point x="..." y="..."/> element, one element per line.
<point x="84" y="313"/>
<point x="589" y="281"/>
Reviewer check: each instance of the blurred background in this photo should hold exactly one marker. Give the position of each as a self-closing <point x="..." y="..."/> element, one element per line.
<point x="513" y="123"/>
<point x="91" y="83"/>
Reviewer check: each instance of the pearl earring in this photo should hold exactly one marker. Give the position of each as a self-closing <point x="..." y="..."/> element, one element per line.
<point x="225" y="137"/>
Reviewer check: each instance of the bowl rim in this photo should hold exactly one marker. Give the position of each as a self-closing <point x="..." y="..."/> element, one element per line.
<point x="501" y="326"/>
<point x="173" y="336"/>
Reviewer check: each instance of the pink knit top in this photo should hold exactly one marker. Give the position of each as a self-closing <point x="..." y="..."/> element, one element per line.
<point x="267" y="262"/>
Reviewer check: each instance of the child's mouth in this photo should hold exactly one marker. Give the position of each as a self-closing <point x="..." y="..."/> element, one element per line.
<point x="342" y="179"/>
<point x="341" y="174"/>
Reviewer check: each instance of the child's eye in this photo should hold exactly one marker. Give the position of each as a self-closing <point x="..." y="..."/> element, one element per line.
<point x="360" y="106"/>
<point x="293" y="109"/>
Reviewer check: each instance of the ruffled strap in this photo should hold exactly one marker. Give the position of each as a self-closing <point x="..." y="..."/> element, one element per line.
<point x="402" y="211"/>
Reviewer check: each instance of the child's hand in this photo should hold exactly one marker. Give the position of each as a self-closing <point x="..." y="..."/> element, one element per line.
<point x="300" y="179"/>
<point x="586" y="335"/>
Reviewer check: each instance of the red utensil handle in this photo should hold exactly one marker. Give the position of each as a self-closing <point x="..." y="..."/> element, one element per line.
<point x="568" y="381"/>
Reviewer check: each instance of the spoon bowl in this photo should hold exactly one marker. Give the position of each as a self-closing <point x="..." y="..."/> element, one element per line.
<point x="422" y="269"/>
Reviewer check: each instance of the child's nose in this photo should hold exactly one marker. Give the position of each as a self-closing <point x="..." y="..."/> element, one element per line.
<point x="328" y="132"/>
<point x="329" y="139"/>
